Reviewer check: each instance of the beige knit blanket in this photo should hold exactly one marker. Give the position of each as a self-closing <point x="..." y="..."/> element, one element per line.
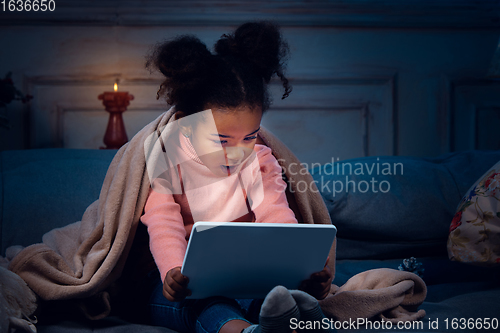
<point x="81" y="260"/>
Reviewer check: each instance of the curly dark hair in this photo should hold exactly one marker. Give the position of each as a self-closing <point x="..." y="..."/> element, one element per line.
<point x="236" y="74"/>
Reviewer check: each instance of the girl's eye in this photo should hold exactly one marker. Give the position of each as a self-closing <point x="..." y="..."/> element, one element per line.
<point x="224" y="142"/>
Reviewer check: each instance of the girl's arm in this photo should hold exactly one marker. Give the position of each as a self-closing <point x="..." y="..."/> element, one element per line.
<point x="167" y="234"/>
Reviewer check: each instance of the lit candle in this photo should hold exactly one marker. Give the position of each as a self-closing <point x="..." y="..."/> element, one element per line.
<point x="115" y="103"/>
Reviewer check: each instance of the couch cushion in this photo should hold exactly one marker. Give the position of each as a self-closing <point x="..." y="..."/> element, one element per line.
<point x="47" y="188"/>
<point x="397" y="206"/>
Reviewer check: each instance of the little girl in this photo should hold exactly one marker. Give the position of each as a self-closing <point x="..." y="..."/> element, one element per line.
<point x="216" y="170"/>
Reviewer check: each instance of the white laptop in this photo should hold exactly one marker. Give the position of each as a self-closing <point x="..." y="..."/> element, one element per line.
<point x="247" y="260"/>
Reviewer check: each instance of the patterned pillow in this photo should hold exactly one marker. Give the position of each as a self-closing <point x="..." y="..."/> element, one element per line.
<point x="475" y="229"/>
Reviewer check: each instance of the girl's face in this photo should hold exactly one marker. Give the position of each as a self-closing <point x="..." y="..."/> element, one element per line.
<point x="223" y="148"/>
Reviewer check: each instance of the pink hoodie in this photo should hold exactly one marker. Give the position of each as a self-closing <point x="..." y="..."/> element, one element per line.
<point x="170" y="217"/>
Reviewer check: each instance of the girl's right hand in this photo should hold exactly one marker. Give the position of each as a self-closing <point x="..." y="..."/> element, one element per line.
<point x="175" y="285"/>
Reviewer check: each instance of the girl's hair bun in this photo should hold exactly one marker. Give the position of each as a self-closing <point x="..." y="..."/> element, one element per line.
<point x="261" y="44"/>
<point x="184" y="61"/>
<point x="182" y="56"/>
<point x="257" y="42"/>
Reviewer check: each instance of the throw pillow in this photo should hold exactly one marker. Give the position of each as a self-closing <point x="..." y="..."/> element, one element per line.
<point x="475" y="229"/>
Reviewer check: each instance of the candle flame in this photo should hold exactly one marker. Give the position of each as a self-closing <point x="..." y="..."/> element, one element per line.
<point x="116" y="87"/>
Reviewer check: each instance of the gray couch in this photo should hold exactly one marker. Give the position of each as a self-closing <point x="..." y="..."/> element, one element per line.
<point x="48" y="188"/>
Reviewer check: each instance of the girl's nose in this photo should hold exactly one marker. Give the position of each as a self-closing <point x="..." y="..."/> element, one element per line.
<point x="235" y="154"/>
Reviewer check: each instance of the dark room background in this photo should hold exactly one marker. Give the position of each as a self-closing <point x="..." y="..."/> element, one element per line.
<point x="370" y="77"/>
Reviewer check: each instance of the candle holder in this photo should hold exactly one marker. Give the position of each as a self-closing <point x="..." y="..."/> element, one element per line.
<point x="116" y="103"/>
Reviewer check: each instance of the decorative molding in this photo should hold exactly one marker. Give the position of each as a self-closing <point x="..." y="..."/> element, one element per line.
<point x="75" y="80"/>
<point x="468" y="98"/>
<point x="372" y="101"/>
<point x="366" y="136"/>
<point x="372" y="98"/>
<point x="332" y="13"/>
<point x="394" y="82"/>
<point x="479" y="128"/>
<point x="62" y="111"/>
<point x="444" y="94"/>
<point x="74" y="94"/>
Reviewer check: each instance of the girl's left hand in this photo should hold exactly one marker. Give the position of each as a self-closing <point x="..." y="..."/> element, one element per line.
<point x="318" y="285"/>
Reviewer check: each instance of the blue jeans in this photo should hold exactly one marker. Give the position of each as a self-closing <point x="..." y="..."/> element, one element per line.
<point x="200" y="315"/>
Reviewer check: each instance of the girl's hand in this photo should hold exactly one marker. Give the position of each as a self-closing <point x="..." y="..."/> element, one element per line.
<point x="318" y="285"/>
<point x="175" y="285"/>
